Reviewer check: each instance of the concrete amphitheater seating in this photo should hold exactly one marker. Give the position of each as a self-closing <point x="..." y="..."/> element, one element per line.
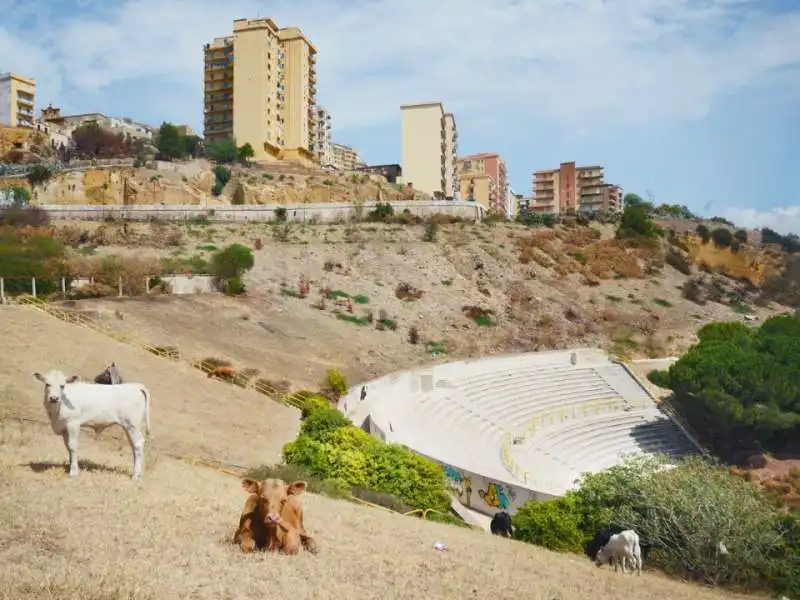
<point x="460" y="413"/>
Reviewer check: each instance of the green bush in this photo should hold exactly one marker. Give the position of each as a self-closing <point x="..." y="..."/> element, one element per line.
<point x="704" y="233"/>
<point x="636" y="223"/>
<point x="314" y="402"/>
<point x="23" y="257"/>
<point x="722" y="237"/>
<point x="331" y="448"/>
<point x="337" y="382"/>
<point x="554" y="524"/>
<point x="383" y="211"/>
<point x="280" y="214"/>
<point x="232" y="261"/>
<point x="659" y="378"/>
<point x="681" y="513"/>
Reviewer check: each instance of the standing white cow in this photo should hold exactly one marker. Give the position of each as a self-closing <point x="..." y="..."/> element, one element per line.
<point x="621" y="547"/>
<point x="71" y="404"/>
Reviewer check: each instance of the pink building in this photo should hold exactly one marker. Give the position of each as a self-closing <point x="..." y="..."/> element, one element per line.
<point x="483" y="178"/>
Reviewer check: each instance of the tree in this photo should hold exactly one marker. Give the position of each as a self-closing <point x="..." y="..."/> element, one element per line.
<point x="245" y="153"/>
<point x="704" y="233"/>
<point x="222" y="151"/>
<point x="741" y="235"/>
<point x="20" y="197"/>
<point x="191" y="145"/>
<point x="228" y="266"/>
<point x="722" y="237"/>
<point x="93" y="141"/>
<point x="170" y="143"/>
<point x="635" y="223"/>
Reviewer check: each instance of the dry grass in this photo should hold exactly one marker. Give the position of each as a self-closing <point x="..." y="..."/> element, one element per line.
<point x="102" y="537"/>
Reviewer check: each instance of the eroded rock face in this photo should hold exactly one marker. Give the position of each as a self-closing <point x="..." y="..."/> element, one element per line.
<point x="192" y="183"/>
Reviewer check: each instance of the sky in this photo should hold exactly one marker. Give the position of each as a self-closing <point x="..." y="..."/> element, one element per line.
<point x="693" y="102"/>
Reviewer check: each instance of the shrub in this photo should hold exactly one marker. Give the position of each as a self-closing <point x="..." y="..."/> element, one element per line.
<point x="280" y="214"/>
<point x="413" y="336"/>
<point x="25" y="255"/>
<point x="679" y="262"/>
<point x="704" y="233"/>
<point x="222" y="151"/>
<point x="232" y="261"/>
<point x="28" y="216"/>
<point x="314" y="402"/>
<point x="741" y="236"/>
<point x="722" y="237"/>
<point x="383" y="211"/>
<point x="659" y="378"/>
<point x="337" y="382"/>
<point x="431" y="231"/>
<point x="554" y="524"/>
<point x="635" y="223"/>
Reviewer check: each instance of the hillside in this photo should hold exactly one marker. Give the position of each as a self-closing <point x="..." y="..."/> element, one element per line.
<point x="102" y="536"/>
<point x="192" y="182"/>
<point x="485" y="289"/>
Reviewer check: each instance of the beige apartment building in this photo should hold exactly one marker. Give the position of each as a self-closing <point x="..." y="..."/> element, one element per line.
<point x="323" y="143"/>
<point x="483" y="179"/>
<point x="17" y="100"/>
<point x="346" y="158"/>
<point x="570" y="189"/>
<point x="429" y="149"/>
<point x="260" y="88"/>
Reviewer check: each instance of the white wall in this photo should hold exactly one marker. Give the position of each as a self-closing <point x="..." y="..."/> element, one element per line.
<point x="261" y="212"/>
<point x="5" y="103"/>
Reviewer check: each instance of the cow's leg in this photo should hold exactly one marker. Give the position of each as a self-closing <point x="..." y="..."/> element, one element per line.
<point x="136" y="439"/>
<point x="309" y="543"/>
<point x="291" y="542"/>
<point x="623" y="559"/>
<point x="71" y="441"/>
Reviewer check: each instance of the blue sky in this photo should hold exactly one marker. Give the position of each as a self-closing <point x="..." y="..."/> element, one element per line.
<point x="696" y="102"/>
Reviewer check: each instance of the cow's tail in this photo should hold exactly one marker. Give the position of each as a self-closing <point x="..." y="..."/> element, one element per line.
<point x="146" y="395"/>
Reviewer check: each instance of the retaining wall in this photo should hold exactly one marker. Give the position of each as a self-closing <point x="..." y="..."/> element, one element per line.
<point x="326" y="212"/>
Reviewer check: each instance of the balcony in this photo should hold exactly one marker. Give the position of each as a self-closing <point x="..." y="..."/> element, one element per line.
<point x="25" y="99"/>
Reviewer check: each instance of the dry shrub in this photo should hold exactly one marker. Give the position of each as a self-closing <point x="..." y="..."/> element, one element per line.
<point x="92" y="290"/>
<point x="443" y="219"/>
<point x="72" y="235"/>
<point x="413" y="335"/>
<point x="210" y="363"/>
<point x="258" y="244"/>
<point x="406" y="291"/>
<point x="105" y="235"/>
<point x="162" y="235"/>
<point x="610" y="257"/>
<point x="580" y="237"/>
<point x="274" y="389"/>
<point x="132" y="271"/>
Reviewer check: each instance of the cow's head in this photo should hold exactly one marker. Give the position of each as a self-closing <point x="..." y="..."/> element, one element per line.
<point x="272" y="496"/>
<point x="603" y="556"/>
<point x="54" y="383"/>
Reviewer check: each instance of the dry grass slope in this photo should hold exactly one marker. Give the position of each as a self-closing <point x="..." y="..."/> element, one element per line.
<point x="103" y="537"/>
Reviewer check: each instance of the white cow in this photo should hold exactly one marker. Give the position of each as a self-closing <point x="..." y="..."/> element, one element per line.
<point x="71" y="404"/>
<point x="622" y="546"/>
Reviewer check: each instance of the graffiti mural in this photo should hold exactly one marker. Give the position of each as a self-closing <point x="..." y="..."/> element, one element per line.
<point x="459" y="483"/>
<point x="497" y="496"/>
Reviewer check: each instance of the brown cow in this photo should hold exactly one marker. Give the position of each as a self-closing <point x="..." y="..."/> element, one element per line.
<point x="222" y="373"/>
<point x="272" y="518"/>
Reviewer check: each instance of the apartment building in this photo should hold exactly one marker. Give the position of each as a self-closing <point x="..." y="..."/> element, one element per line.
<point x="483" y="178"/>
<point x="429" y="149"/>
<point x="323" y="143"/>
<point x="260" y="88"/>
<point x="346" y="158"/>
<point x="17" y="100"/>
<point x="570" y="189"/>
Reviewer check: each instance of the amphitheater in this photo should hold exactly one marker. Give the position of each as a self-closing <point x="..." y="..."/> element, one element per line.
<point x="514" y="428"/>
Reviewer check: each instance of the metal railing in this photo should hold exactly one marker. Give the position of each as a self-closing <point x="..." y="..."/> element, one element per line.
<point x="554" y="417"/>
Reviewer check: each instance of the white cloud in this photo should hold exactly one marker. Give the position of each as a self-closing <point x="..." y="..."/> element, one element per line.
<point x="577" y="62"/>
<point x="784" y="219"/>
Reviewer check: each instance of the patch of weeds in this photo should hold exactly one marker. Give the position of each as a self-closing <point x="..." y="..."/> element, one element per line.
<point x="383" y="324"/>
<point x="741" y="308"/>
<point x="447" y="282"/>
<point x="289" y="292"/>
<point x="612" y="298"/>
<point x="352" y="319"/>
<point x="406" y="291"/>
<point x="332" y="295"/>
<point x="435" y="348"/>
<point x="360" y="299"/>
<point x="207" y="247"/>
<point x="662" y="302"/>
<point x="482" y="317"/>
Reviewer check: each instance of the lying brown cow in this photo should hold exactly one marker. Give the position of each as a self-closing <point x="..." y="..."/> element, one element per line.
<point x="222" y="373"/>
<point x="273" y="518"/>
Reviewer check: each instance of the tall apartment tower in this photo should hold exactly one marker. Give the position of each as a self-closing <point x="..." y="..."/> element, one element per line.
<point x="260" y="88"/>
<point x="17" y="100"/>
<point x="430" y="147"/>
<point x="570" y="189"/>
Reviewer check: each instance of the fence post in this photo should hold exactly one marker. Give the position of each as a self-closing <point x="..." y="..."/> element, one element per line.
<point x="146" y="285"/>
<point x="2" y="290"/>
<point x="119" y="286"/>
<point x="64" y="285"/>
<point x="33" y="286"/>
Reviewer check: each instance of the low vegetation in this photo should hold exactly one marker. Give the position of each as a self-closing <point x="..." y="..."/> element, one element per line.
<point x="682" y="513"/>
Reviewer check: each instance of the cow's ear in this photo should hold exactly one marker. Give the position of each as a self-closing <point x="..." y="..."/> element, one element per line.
<point x="39" y="377"/>
<point x="73" y="379"/>
<point x="298" y="487"/>
<point x="251" y="486"/>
